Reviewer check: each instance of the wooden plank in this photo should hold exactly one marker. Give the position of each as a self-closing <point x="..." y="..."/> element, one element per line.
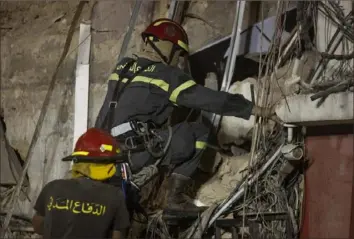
<point x="83" y="55"/>
<point x="81" y="101"/>
<point x="82" y="82"/>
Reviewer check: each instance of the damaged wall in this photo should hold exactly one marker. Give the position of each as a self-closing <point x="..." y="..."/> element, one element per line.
<point x="32" y="38"/>
<point x="31" y="44"/>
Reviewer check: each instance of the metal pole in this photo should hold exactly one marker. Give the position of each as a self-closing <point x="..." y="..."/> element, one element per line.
<point x="172" y="9"/>
<point x="241" y="191"/>
<point x="231" y="59"/>
<point x="240" y="6"/>
<point x="128" y="35"/>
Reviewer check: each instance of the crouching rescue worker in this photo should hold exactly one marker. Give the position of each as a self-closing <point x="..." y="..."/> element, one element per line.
<point x="84" y="206"/>
<point x="142" y="92"/>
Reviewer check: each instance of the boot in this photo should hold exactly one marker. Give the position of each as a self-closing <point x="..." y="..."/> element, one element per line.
<point x="177" y="200"/>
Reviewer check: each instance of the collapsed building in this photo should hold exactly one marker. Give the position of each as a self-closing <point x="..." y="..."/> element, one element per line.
<point x="274" y="179"/>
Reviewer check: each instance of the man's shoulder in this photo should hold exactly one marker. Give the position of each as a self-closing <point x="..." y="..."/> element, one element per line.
<point x="56" y="182"/>
<point x="54" y="185"/>
<point x="62" y="183"/>
<point x="174" y="72"/>
<point x="84" y="185"/>
<point x="104" y="186"/>
<point x="123" y="63"/>
<point x="111" y="188"/>
<point x="112" y="194"/>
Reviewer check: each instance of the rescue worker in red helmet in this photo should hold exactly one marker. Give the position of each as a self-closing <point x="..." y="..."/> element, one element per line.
<point x="146" y="88"/>
<point x="84" y="206"/>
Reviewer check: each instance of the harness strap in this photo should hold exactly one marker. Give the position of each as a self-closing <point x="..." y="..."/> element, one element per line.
<point x="158" y="51"/>
<point x="108" y="120"/>
<point x="121" y="129"/>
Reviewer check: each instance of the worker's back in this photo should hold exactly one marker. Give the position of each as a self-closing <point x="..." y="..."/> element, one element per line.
<point x="154" y="91"/>
<point x="147" y="97"/>
<point x="81" y="208"/>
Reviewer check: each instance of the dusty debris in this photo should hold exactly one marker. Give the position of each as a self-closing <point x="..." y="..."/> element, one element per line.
<point x="21" y="227"/>
<point x="229" y="173"/>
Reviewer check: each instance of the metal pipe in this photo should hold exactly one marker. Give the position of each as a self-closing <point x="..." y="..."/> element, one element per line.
<point x="235" y="44"/>
<point x="295" y="154"/>
<point x="172" y="9"/>
<point x="290" y="128"/>
<point x="128" y="35"/>
<point x="231" y="60"/>
<point x="241" y="191"/>
<point x="290" y="134"/>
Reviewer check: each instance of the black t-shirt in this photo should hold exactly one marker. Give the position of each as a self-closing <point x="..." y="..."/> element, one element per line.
<point x="81" y="208"/>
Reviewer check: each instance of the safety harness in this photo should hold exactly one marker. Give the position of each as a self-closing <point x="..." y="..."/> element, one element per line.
<point x="145" y="138"/>
<point x="142" y="140"/>
<point x="108" y="120"/>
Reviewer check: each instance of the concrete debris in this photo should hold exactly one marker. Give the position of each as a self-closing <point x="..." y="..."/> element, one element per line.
<point x="237" y="130"/>
<point x="230" y="172"/>
<point x="336" y="107"/>
<point x="20" y="227"/>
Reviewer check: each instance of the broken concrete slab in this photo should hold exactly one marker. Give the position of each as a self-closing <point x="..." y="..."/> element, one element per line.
<point x="336" y="109"/>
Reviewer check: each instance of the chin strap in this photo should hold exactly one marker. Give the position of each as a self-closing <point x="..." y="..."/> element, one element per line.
<point x="173" y="52"/>
<point x="164" y="58"/>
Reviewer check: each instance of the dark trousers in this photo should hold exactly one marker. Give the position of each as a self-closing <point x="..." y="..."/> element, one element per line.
<point x="187" y="145"/>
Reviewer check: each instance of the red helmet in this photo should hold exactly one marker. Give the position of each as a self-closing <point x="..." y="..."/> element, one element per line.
<point x="166" y="29"/>
<point x="96" y="143"/>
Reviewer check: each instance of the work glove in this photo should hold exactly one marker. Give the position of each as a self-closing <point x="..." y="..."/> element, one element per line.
<point x="262" y="111"/>
<point x="267" y="113"/>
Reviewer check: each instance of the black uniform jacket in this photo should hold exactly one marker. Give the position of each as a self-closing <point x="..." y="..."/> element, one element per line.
<point x="153" y="92"/>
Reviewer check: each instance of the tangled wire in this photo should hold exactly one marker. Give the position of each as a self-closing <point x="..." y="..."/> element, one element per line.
<point x="268" y="195"/>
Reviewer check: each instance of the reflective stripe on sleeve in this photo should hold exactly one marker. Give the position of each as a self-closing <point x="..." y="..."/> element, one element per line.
<point x="157" y="82"/>
<point x="175" y="93"/>
<point x="200" y="145"/>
